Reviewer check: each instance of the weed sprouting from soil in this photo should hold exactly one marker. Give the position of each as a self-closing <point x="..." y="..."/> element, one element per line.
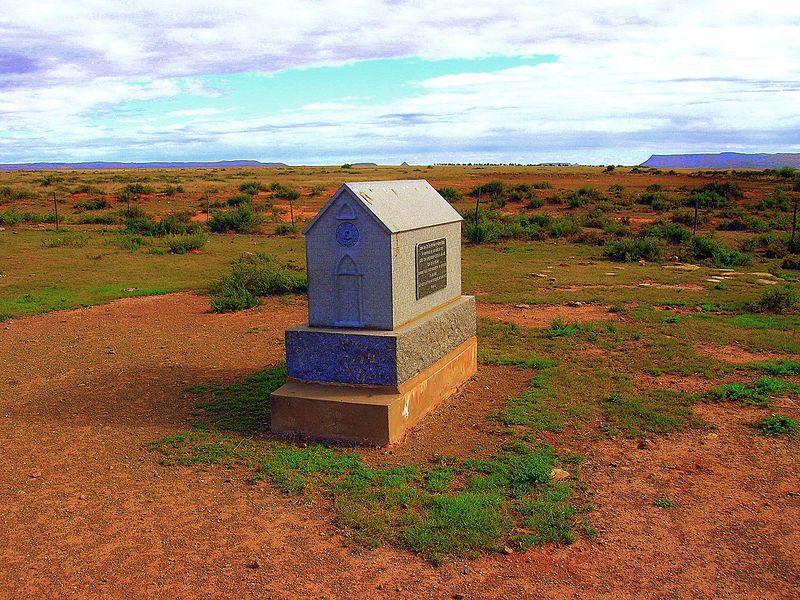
<point x="758" y="393"/>
<point x="777" y="425"/>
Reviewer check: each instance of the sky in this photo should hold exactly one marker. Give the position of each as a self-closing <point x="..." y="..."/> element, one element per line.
<point x="329" y="82"/>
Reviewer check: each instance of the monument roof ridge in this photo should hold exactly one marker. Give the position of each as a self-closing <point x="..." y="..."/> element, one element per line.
<point x="400" y="205"/>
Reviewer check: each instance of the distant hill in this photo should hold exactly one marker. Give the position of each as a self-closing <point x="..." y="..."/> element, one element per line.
<point x="723" y="160"/>
<point x="146" y="165"/>
<point x="364" y="164"/>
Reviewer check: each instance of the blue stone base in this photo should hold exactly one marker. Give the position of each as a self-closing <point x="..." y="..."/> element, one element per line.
<point x="363" y="357"/>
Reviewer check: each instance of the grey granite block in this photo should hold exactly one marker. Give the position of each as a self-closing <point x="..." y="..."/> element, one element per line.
<point x="363" y="357"/>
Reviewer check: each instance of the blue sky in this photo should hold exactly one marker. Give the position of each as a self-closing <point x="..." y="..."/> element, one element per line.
<point x="331" y="82"/>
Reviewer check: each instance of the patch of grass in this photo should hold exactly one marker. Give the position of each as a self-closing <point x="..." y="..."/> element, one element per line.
<point x="244" y="406"/>
<point x="781" y="367"/>
<point x="66" y="240"/>
<point x="776" y="425"/>
<point x="655" y="412"/>
<point x="559" y="328"/>
<point x="528" y="362"/>
<point x="664" y="503"/>
<point x="529" y="408"/>
<point x="759" y="392"/>
<point x="456" y="507"/>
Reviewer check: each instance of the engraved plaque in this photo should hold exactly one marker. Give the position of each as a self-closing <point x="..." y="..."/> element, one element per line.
<point x="431" y="267"/>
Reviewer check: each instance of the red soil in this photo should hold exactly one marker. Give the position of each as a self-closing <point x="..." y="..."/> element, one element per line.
<point x="88" y="512"/>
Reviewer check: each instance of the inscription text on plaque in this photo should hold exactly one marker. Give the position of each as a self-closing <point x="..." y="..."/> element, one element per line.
<point x="431" y="267"/>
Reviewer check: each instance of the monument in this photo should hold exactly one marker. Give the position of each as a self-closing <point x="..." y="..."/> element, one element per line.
<point x="389" y="334"/>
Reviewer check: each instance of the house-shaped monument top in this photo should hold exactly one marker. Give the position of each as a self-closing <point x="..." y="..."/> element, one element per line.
<point x="380" y="254"/>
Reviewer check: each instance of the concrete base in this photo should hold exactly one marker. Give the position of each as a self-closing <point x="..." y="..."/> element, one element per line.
<point x="374" y="415"/>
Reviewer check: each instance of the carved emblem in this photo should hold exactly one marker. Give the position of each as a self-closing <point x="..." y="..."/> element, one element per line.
<point x="346" y="234"/>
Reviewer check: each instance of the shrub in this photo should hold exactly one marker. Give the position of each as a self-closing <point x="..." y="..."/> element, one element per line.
<point x="285" y="228"/>
<point x="450" y="194"/>
<point x="251" y="276"/>
<point x="709" y="249"/>
<point x="777" y="299"/>
<point x="181" y="244"/>
<point x="240" y="199"/>
<point x="171" y="190"/>
<point x="480" y="232"/>
<point x="564" y="226"/>
<point x="492" y="189"/>
<point x="284" y="192"/>
<point x="791" y="262"/>
<point x="543" y="185"/>
<point x="631" y="249"/>
<point x="85" y="188"/>
<point x="15" y="217"/>
<point x="241" y="220"/>
<point x="98" y="204"/>
<point x="133" y="191"/>
<point x="771" y="245"/>
<point x="707" y="199"/>
<point x="252" y="187"/>
<point x="8" y="194"/>
<point x="671" y="232"/>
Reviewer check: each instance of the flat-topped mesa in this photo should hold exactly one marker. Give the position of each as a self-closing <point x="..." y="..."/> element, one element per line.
<point x="380" y="254"/>
<point x="389" y="333"/>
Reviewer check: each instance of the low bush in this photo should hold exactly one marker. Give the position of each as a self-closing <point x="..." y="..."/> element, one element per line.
<point x="285" y="229"/>
<point x="252" y="187"/>
<point x="284" y="192"/>
<point x="85" y="188"/>
<point x="97" y="204"/>
<point x="777" y="299"/>
<point x="493" y="189"/>
<point x="450" y="194"/>
<point x="251" y="276"/>
<point x="15" y="217"/>
<point x="8" y="194"/>
<point x="671" y="232"/>
<point x="709" y="249"/>
<point x="239" y="199"/>
<point x="181" y="244"/>
<point x="241" y="220"/>
<point x="564" y="227"/>
<point x="638" y="248"/>
<point x="791" y="262"/>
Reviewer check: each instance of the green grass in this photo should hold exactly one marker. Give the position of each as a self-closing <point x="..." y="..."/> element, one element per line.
<point x="447" y="508"/>
<point x="759" y="392"/>
<point x="100" y="271"/>
<point x="664" y="503"/>
<point x="655" y="412"/>
<point x="777" y="425"/>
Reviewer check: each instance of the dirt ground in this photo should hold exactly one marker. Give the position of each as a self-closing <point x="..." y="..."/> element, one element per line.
<point x="88" y="512"/>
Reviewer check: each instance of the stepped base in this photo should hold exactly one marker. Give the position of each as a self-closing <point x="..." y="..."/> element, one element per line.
<point x="373" y="415"/>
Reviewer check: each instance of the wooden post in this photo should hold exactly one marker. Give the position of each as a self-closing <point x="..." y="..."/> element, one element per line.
<point x="696" y="208"/>
<point x="55" y="206"/>
<point x="291" y="212"/>
<point x="477" y="202"/>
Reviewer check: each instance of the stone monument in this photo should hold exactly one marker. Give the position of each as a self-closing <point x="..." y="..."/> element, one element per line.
<point x="389" y="334"/>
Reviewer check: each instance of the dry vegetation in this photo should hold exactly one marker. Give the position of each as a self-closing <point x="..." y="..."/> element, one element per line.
<point x="617" y="350"/>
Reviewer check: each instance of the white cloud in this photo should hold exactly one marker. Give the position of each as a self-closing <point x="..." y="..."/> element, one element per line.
<point x="630" y="79"/>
